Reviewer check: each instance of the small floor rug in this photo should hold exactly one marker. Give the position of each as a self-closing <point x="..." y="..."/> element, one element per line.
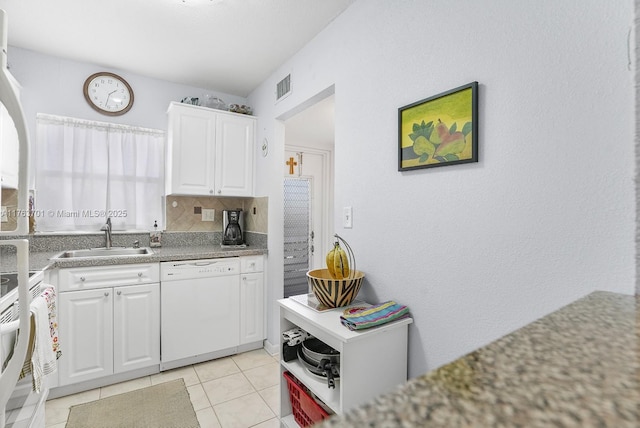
<point x="166" y="405"/>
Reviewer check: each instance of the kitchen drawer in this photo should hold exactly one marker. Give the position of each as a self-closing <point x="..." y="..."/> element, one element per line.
<point x="84" y="278"/>
<point x="249" y="264"/>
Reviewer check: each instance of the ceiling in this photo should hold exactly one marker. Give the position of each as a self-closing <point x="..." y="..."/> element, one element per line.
<point x="230" y="46"/>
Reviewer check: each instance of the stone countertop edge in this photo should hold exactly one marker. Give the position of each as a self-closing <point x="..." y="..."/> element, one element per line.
<point x="42" y="260"/>
<point x="576" y="367"/>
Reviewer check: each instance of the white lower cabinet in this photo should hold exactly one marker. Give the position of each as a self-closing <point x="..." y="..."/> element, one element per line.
<point x="252" y="303"/>
<point x="86" y="330"/>
<point x="372" y="361"/>
<point x="110" y="320"/>
<point x="136" y="327"/>
<point x="107" y="330"/>
<point x="251" y="308"/>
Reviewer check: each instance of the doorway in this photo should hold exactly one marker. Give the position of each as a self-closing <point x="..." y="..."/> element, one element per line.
<point x="308" y="193"/>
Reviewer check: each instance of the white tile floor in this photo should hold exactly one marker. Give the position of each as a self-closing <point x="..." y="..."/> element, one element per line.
<point x="239" y="391"/>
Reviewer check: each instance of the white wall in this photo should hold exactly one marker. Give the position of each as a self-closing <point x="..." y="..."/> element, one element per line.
<point x="53" y="85"/>
<point x="476" y="250"/>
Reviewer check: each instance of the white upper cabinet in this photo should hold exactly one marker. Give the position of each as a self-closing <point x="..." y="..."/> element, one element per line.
<point x="235" y="135"/>
<point x="209" y="152"/>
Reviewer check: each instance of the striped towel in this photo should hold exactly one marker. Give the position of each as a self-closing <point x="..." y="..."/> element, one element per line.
<point x="373" y="315"/>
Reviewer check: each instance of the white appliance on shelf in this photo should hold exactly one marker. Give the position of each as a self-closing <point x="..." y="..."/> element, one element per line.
<point x="19" y="327"/>
<point x="210" y="328"/>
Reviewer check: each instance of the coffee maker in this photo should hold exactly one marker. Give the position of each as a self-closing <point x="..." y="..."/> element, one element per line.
<point x="232" y="224"/>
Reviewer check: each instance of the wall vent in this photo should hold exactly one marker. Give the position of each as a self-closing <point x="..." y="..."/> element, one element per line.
<point x="283" y="88"/>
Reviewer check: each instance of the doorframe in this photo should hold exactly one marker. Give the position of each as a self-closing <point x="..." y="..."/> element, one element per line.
<point x="273" y="168"/>
<point x="281" y="138"/>
<point x="327" y="193"/>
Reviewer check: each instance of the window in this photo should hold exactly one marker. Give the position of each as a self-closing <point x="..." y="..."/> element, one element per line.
<point x="87" y="171"/>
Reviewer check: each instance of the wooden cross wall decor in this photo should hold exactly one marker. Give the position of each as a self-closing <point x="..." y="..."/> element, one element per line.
<point x="291" y="164"/>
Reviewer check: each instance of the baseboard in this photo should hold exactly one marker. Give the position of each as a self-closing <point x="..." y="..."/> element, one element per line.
<point x="173" y="364"/>
<point x="61" y="391"/>
<point x="272" y="349"/>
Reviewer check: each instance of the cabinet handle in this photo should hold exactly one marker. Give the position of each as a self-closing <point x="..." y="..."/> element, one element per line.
<point x="219" y="191"/>
<point x="211" y="191"/>
<point x="106" y="294"/>
<point x="82" y="278"/>
<point x="140" y="274"/>
<point x="118" y="293"/>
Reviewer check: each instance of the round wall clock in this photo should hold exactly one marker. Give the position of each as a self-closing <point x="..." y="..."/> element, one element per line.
<point x="108" y="93"/>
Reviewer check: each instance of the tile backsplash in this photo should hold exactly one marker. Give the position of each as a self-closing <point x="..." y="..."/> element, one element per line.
<point x="181" y="216"/>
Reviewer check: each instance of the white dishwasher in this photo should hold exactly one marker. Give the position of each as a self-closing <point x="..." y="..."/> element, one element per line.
<point x="199" y="310"/>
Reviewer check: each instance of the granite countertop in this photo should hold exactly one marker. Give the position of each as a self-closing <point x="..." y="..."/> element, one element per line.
<point x="40" y="260"/>
<point x="577" y="367"/>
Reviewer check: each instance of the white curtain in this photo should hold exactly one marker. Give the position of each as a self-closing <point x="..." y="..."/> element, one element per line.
<point x="87" y="171"/>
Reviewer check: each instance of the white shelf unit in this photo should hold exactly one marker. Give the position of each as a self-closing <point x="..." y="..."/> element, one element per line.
<point x="372" y="361"/>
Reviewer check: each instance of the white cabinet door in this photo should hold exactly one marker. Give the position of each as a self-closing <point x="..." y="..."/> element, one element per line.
<point x="234" y="155"/>
<point x="251" y="307"/>
<point x="190" y="151"/>
<point x="136" y="327"/>
<point x="86" y="335"/>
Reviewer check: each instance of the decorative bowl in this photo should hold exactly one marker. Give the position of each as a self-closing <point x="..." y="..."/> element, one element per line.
<point x="334" y="293"/>
<point x="214" y="102"/>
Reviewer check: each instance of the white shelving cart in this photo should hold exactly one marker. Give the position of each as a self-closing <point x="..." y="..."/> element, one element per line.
<point x="372" y="361"/>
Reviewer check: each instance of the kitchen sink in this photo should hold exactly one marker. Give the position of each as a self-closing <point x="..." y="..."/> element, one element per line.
<point x="104" y="252"/>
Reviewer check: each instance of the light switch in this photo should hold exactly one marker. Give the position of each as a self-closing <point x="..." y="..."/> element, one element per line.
<point x="347" y="217"/>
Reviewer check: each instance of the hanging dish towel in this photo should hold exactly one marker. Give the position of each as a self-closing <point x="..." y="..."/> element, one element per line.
<point x="372" y="316"/>
<point x="45" y="345"/>
<point x="49" y="295"/>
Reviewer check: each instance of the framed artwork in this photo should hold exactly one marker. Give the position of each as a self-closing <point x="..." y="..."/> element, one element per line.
<point x="440" y="130"/>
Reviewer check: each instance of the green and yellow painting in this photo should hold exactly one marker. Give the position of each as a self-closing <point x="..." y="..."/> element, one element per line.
<point x="438" y="130"/>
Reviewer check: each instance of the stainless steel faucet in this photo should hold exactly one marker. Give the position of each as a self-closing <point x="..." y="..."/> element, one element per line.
<point x="107" y="232"/>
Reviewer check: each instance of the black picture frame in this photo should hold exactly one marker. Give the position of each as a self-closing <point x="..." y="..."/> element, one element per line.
<point x="440" y="130"/>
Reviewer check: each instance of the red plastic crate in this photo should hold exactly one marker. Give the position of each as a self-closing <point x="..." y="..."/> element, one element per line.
<point x="305" y="410"/>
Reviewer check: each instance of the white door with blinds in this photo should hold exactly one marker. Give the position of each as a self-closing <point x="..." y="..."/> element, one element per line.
<point x="307" y="220"/>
